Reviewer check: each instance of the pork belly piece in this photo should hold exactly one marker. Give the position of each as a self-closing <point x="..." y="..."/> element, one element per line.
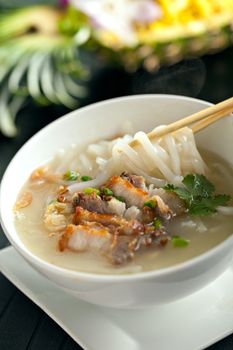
<point x="91" y="236"/>
<point x="131" y="194"/>
<point x="97" y="204"/>
<point x="96" y="237"/>
<point x="123" y="248"/>
<point x="115" y="224"/>
<point x="171" y="199"/>
<point x="136" y="180"/>
<point x="175" y="204"/>
<point x="117" y="249"/>
<point x="91" y="202"/>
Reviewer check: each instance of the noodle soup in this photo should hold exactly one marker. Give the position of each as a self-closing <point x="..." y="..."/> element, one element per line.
<point x="109" y="208"/>
<point x="115" y="242"/>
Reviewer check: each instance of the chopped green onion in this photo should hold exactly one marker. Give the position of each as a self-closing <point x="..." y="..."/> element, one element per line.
<point x="86" y="178"/>
<point x="150" y="204"/>
<point x="90" y="190"/>
<point x="71" y="175"/>
<point x="107" y="192"/>
<point x="180" y="242"/>
<point x="121" y="199"/>
<point x="157" y="223"/>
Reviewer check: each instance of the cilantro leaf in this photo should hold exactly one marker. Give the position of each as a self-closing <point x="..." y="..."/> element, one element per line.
<point x="202" y="208"/>
<point x="170" y="188"/>
<point x="221" y="199"/>
<point x="183" y="193"/>
<point x="180" y="191"/>
<point x="198" y="195"/>
<point x="198" y="185"/>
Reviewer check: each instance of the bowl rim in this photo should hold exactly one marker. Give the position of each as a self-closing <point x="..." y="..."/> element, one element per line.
<point x="99" y="277"/>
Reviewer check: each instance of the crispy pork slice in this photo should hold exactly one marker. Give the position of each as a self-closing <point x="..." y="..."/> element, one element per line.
<point x="176" y="204"/>
<point x="95" y="203"/>
<point x="117" y="249"/>
<point x="91" y="236"/>
<point x="171" y="199"/>
<point x="114" y="223"/>
<point x="136" y="180"/>
<point x="123" y="248"/>
<point x="95" y="237"/>
<point x="91" y="202"/>
<point x="123" y="188"/>
<point x="134" y="196"/>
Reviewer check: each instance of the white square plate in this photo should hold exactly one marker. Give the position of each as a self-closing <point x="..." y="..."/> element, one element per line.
<point x="192" y="323"/>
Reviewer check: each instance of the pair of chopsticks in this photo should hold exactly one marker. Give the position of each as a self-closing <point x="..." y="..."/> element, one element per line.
<point x="197" y="121"/>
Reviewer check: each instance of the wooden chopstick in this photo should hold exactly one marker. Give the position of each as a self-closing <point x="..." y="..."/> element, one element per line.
<point x="205" y="117"/>
<point x="202" y="124"/>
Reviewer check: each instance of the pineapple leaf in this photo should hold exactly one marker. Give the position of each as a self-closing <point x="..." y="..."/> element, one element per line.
<point x="37" y="61"/>
<point x="29" y="20"/>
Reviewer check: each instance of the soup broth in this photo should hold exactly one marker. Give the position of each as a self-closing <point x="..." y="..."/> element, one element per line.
<point x="203" y="233"/>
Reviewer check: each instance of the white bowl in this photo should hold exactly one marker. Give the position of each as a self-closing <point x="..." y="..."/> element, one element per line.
<point x="100" y="121"/>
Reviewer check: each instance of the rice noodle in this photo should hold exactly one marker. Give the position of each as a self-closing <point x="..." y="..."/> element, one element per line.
<point x="98" y="181"/>
<point x="162" y="160"/>
<point x="154" y="156"/>
<point x="149" y="179"/>
<point x="174" y="154"/>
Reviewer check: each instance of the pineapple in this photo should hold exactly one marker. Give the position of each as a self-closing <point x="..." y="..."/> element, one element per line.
<point x="40" y="45"/>
<point x="184" y="28"/>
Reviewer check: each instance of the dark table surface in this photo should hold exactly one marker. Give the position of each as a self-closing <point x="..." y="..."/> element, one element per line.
<point x="22" y="324"/>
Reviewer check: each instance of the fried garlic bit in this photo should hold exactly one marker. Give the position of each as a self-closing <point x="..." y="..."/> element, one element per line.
<point x="24" y="200"/>
<point x="39" y="173"/>
<point x="44" y="174"/>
